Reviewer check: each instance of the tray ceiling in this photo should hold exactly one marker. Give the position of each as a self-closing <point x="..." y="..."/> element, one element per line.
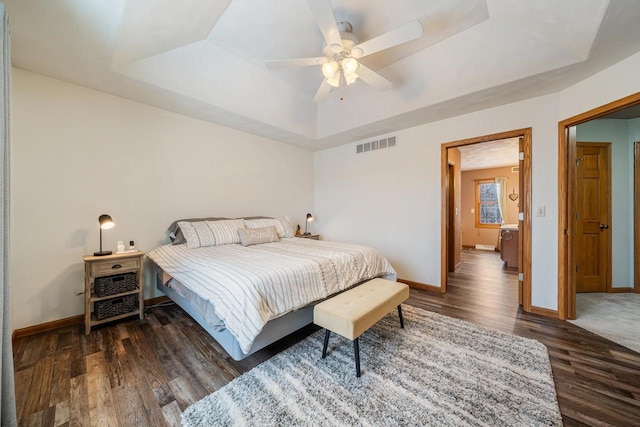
<point x="205" y="58"/>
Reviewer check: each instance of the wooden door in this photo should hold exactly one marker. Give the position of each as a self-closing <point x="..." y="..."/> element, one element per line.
<point x="593" y="217"/>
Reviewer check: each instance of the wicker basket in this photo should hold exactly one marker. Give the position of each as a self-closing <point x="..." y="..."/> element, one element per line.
<point x="115" y="306"/>
<point x="110" y="285"/>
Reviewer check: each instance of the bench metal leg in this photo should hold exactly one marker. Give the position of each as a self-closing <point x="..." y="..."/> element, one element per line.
<point x="400" y="315"/>
<point x="326" y="343"/>
<point x="356" y="351"/>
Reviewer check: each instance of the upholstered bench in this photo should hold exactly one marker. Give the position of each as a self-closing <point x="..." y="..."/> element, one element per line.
<point x="354" y="311"/>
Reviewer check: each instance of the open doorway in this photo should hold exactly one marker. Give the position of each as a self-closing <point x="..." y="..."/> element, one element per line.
<point x="620" y="271"/>
<point x="451" y="207"/>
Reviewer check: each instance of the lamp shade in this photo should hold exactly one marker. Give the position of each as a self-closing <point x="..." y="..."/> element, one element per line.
<point x="105" y="221"/>
<point x="329" y="69"/>
<point x="349" y="65"/>
<point x="334" y="80"/>
<point x="309" y="217"/>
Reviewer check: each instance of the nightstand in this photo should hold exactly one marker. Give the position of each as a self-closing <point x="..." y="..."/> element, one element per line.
<point x="113" y="288"/>
<point x="310" y="236"/>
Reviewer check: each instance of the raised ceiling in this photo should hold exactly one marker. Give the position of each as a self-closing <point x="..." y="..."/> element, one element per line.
<point x="205" y="58"/>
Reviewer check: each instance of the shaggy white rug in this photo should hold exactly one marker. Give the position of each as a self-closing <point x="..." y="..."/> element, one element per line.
<point x="436" y="371"/>
<point x="613" y="316"/>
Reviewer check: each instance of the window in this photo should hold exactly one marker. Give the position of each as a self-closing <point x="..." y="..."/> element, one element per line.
<point x="487" y="208"/>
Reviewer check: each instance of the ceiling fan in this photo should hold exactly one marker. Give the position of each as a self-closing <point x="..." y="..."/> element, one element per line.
<point x="340" y="65"/>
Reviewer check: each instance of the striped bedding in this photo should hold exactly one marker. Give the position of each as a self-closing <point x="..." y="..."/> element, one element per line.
<point x="248" y="286"/>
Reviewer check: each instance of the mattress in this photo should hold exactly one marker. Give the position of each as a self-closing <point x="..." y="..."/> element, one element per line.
<point x="240" y="288"/>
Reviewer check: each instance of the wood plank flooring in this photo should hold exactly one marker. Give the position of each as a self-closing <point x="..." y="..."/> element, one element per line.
<point x="146" y="372"/>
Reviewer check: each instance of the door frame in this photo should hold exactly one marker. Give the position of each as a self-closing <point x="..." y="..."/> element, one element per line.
<point x="608" y="147"/>
<point x="567" y="200"/>
<point x="451" y="225"/>
<point x="636" y="216"/>
<point x="524" y="236"/>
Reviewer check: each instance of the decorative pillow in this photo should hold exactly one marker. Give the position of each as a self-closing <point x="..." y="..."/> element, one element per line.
<point x="175" y="232"/>
<point x="256" y="236"/>
<point x="211" y="233"/>
<point x="281" y="224"/>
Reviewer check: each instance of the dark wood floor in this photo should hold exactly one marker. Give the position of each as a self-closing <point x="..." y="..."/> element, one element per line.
<point x="145" y="372"/>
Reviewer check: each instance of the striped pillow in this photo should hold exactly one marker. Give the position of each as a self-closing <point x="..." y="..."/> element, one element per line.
<point x="211" y="233"/>
<point x="281" y="224"/>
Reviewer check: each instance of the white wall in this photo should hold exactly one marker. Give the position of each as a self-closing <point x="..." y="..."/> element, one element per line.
<point x="616" y="132"/>
<point x="78" y="153"/>
<point x="390" y="198"/>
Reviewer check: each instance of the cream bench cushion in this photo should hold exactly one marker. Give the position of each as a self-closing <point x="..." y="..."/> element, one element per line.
<point x="356" y="310"/>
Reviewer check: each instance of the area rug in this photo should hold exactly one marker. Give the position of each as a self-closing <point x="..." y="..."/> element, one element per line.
<point x="613" y="316"/>
<point x="436" y="371"/>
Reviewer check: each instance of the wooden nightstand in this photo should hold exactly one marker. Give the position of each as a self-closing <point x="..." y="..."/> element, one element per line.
<point x="310" y="236"/>
<point x="112" y="271"/>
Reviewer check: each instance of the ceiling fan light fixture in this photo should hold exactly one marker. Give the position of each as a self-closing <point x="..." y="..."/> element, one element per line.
<point x="329" y="69"/>
<point x="334" y="80"/>
<point x="349" y="65"/>
<point x="350" y="78"/>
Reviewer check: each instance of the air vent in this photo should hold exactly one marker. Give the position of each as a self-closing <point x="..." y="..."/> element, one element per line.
<point x="515" y="169"/>
<point x="378" y="144"/>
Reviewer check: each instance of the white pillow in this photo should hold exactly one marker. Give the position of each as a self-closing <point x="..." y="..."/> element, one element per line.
<point x="281" y="224"/>
<point x="211" y="233"/>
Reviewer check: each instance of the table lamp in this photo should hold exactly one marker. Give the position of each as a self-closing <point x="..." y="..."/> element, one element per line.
<point x="105" y="223"/>
<point x="309" y="219"/>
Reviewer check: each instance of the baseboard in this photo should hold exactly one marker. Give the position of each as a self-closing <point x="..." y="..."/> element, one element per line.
<point x="421" y="286"/>
<point x="156" y="300"/>
<point x="69" y="321"/>
<point x="48" y="326"/>
<point x="547" y="312"/>
<point x="620" y="290"/>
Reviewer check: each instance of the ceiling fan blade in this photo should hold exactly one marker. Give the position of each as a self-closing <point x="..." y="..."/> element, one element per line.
<point x="297" y="62"/>
<point x="374" y="79"/>
<point x="403" y="34"/>
<point x="323" y="91"/>
<point x="323" y="13"/>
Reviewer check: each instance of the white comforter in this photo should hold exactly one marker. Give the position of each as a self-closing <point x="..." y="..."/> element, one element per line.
<point x="248" y="286"/>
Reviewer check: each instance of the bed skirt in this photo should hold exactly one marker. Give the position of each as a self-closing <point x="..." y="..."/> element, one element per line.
<point x="272" y="331"/>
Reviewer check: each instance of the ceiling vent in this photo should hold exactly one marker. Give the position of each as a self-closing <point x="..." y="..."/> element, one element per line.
<point x="378" y="144"/>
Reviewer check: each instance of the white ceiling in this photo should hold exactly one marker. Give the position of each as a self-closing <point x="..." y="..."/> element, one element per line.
<point x="490" y="154"/>
<point x="205" y="58"/>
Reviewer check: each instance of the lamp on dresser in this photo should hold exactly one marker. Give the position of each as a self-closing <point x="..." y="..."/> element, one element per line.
<point x="309" y="219"/>
<point x="105" y="223"/>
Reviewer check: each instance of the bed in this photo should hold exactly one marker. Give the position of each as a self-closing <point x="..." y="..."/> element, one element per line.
<point x="247" y="297"/>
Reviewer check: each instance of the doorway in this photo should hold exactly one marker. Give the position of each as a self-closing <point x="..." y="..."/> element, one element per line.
<point x="567" y="203"/>
<point x="524" y="236"/>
